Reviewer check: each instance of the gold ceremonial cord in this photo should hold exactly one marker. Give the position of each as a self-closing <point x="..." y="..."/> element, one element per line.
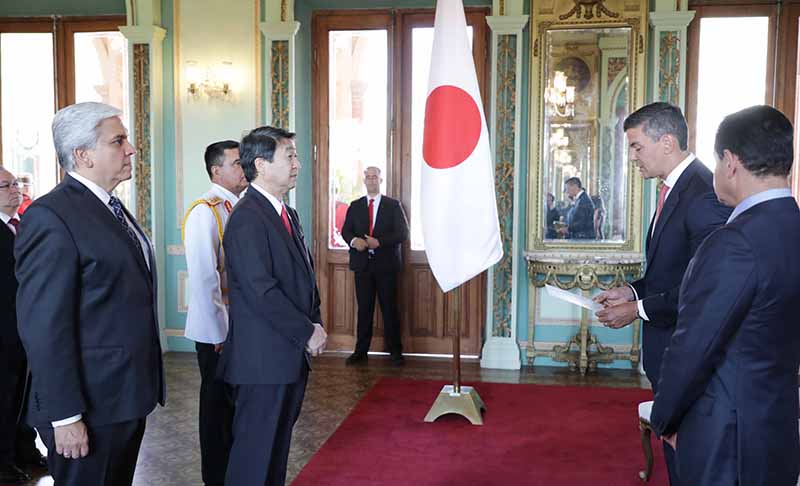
<point x="211" y="203"/>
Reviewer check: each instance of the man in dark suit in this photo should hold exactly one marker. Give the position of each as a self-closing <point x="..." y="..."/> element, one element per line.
<point x="580" y="217"/>
<point x="274" y="315"/>
<point x="375" y="228"/>
<point x="687" y="212"/>
<point x="17" y="439"/>
<point x="727" y="398"/>
<point x="87" y="307"/>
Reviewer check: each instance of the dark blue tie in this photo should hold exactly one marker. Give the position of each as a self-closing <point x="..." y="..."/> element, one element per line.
<point x="116" y="206"/>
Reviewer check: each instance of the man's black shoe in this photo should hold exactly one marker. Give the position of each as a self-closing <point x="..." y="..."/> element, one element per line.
<point x="355" y="359"/>
<point x="11" y="474"/>
<point x="397" y="360"/>
<point x="32" y="459"/>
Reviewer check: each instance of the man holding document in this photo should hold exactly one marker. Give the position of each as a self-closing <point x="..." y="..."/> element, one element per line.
<point x="728" y="392"/>
<point x="687" y="212"/>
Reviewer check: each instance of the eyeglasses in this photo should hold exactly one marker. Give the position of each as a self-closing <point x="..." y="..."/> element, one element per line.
<point x="4" y="186"/>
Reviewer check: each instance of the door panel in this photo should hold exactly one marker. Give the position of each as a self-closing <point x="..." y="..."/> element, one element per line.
<point x="341" y="97"/>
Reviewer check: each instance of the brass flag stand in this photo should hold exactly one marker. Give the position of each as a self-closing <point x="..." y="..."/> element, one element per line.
<point x="462" y="400"/>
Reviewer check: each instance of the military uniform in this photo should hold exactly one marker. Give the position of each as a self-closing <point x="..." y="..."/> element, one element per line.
<point x="207" y="322"/>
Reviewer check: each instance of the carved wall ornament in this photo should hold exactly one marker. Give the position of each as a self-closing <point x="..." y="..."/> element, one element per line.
<point x="586" y="8"/>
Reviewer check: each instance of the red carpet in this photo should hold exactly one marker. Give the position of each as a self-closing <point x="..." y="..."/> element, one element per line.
<point x="532" y="435"/>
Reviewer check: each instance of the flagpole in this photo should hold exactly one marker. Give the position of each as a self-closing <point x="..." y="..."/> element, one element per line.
<point x="457" y="340"/>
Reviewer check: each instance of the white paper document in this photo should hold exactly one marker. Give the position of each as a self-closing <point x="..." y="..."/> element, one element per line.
<point x="578" y="300"/>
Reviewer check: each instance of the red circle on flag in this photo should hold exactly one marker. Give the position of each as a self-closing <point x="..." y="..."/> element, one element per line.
<point x="452" y="127"/>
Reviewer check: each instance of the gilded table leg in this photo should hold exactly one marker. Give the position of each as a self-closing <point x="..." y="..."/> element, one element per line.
<point x="584" y="338"/>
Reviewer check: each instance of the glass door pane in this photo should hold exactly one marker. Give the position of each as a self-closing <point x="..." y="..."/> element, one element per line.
<point x="421" y="47"/>
<point x="358" y="118"/>
<point x="28" y="101"/>
<point x="726" y="43"/>
<point x="101" y="74"/>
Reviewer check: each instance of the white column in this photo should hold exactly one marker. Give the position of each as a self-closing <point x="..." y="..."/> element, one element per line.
<point x="670" y="26"/>
<point x="151" y="36"/>
<point x="503" y="351"/>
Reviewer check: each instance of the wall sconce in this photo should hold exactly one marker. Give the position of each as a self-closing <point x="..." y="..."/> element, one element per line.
<point x="209" y="83"/>
<point x="560" y="96"/>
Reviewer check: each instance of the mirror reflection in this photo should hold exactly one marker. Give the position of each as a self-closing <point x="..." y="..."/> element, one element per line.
<point x="585" y="162"/>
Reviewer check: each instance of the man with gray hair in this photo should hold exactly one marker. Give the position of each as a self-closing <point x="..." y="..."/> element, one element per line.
<point x="87" y="307"/>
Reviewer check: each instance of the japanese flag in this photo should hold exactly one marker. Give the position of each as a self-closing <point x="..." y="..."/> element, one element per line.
<point x="459" y="210"/>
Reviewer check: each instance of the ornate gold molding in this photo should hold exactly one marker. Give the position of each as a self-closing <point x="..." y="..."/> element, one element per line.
<point x="584" y="272"/>
<point x="588" y="8"/>
<point x="551" y="16"/>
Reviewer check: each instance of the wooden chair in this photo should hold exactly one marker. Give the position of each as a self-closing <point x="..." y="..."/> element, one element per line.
<point x="646" y="431"/>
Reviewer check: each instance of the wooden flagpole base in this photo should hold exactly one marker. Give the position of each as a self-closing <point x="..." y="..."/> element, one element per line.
<point x="466" y="403"/>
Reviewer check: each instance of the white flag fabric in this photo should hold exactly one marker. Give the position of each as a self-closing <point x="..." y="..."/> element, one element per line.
<point x="459" y="210"/>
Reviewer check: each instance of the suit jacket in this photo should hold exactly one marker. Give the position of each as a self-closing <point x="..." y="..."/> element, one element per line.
<point x="690" y="213"/>
<point x="391" y="229"/>
<point x="274" y="299"/>
<point x="11" y="351"/>
<point x="729" y="381"/>
<point x="89" y="315"/>
<point x="580" y="218"/>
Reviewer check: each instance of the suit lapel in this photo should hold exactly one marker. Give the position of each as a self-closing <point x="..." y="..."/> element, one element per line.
<point x="277" y="223"/>
<point x="297" y="233"/>
<point x="96" y="206"/>
<point x="147" y="247"/>
<point x="380" y="215"/>
<point x="669" y="207"/>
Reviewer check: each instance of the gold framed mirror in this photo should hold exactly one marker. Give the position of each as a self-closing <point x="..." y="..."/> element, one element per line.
<point x="587" y="75"/>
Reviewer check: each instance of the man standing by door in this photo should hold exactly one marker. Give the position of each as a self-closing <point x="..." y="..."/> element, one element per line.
<point x="207" y="318"/>
<point x="375" y="228"/>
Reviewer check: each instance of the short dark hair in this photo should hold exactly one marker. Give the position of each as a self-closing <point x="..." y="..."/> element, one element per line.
<point x="659" y="119"/>
<point x="575" y="181"/>
<point x="215" y="153"/>
<point x="761" y="136"/>
<point x="260" y="143"/>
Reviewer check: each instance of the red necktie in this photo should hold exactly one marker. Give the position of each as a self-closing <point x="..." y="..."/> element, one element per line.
<point x="662" y="196"/>
<point x="371" y="206"/>
<point x="15" y="223"/>
<point x="285" y="218"/>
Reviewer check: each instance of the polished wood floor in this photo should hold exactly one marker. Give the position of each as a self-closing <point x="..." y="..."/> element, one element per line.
<point x="170" y="454"/>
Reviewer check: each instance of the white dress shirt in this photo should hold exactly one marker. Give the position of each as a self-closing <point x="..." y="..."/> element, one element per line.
<point x="207" y="316"/>
<point x="104" y="197"/>
<point x="376" y="202"/>
<point x="276" y="203"/>
<point x="670" y="181"/>
<point x="6" y="218"/>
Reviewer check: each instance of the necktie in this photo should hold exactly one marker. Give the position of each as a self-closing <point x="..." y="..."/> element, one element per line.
<point x="14" y="222"/>
<point x="285" y="218"/>
<point x="662" y="196"/>
<point x="116" y="206"/>
<point x="371" y="207"/>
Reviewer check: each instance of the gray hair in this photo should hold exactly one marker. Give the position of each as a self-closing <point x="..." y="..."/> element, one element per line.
<point x="75" y="128"/>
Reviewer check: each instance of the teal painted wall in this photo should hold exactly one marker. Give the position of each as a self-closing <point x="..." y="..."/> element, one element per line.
<point x="39" y="8"/>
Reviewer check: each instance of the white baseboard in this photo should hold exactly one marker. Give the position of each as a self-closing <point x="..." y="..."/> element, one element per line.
<point x="501" y="353"/>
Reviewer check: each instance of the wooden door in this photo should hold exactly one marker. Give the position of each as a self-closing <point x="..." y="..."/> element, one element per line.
<point x="381" y="132"/>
